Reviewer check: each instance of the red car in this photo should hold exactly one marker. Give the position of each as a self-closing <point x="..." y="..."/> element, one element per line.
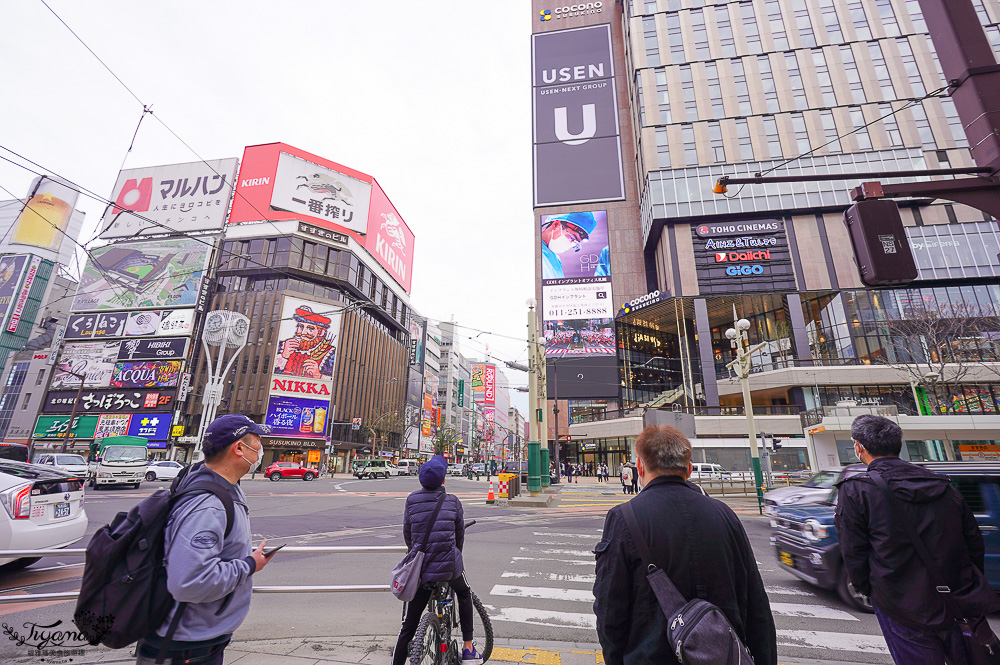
<point x="280" y="470"/>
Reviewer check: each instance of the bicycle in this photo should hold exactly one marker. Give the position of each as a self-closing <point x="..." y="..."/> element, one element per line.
<point x="432" y="644"/>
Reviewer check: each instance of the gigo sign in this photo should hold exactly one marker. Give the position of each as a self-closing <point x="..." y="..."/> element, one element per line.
<point x="741" y="271"/>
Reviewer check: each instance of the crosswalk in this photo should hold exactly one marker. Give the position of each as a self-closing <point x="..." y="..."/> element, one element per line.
<point x="549" y="582"/>
<point x="590" y="497"/>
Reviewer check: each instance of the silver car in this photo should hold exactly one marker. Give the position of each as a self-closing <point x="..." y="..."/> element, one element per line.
<point x="815" y="489"/>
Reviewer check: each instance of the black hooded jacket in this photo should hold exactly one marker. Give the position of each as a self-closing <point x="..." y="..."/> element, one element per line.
<point x="883" y="564"/>
<point x="701" y="545"/>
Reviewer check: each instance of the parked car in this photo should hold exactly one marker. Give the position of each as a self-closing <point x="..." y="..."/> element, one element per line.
<point x="479" y="468"/>
<point x="375" y="468"/>
<point x="42" y="509"/>
<point x="74" y="464"/>
<point x="163" y="470"/>
<point x="708" y="471"/>
<point x="408" y="467"/>
<point x="455" y="469"/>
<point x="817" y="488"/>
<point x="805" y="538"/>
<point x="280" y="470"/>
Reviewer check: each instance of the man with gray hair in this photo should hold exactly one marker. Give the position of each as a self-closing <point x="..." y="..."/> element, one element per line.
<point x="883" y="562"/>
<point x="697" y="541"/>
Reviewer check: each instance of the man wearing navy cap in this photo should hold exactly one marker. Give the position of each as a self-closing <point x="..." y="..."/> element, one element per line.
<point x="207" y="568"/>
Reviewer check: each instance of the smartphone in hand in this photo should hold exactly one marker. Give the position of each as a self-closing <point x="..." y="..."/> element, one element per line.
<point x="271" y="550"/>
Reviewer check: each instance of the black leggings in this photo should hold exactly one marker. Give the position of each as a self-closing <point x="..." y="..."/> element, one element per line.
<point x="415" y="609"/>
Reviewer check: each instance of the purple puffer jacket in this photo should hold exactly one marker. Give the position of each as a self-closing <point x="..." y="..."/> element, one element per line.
<point x="443" y="552"/>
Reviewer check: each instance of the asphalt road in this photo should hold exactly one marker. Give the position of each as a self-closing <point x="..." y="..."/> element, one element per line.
<point x="533" y="568"/>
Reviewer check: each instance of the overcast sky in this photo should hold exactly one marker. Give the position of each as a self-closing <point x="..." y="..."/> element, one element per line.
<point x="431" y="98"/>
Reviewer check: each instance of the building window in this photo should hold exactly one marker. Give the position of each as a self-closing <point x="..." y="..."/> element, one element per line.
<point x="830" y="136"/>
<point x="715" y="90"/>
<point x="954" y="122"/>
<point x="993" y="33"/>
<point x="687" y="88"/>
<point x="725" y="30"/>
<point x="984" y="18"/>
<point x="742" y="91"/>
<point x="750" y="28"/>
<point x="888" y="16"/>
<point x="910" y="65"/>
<point x="715" y="139"/>
<point x="767" y="81"/>
<point x="890" y="124"/>
<point x="861" y="132"/>
<point x="801" y="133"/>
<point x="652" y="46"/>
<point x="916" y="16"/>
<point x="803" y="23"/>
<point x="853" y="76"/>
<point x="663" y="96"/>
<point x="700" y="33"/>
<point x="676" y="39"/>
<point x="795" y="80"/>
<point x="27" y="400"/>
<point x="743" y="137"/>
<point x="40" y="377"/>
<point x="857" y="13"/>
<point x="649" y="7"/>
<point x="823" y="74"/>
<point x="690" y="147"/>
<point x="831" y="21"/>
<point x="640" y="97"/>
<point x="923" y="126"/>
<point x="776" y="24"/>
<point x="881" y="72"/>
<point x="773" y="138"/>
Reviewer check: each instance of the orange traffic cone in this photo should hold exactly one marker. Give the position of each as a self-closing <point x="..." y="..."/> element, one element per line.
<point x="490" y="498"/>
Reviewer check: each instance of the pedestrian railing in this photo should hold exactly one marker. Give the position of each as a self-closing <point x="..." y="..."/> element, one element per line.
<point x="319" y="549"/>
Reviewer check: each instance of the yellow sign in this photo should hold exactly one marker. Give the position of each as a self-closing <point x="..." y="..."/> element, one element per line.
<point x="980" y="453"/>
<point x="817" y="429"/>
<point x="177" y="430"/>
<point x="314" y="456"/>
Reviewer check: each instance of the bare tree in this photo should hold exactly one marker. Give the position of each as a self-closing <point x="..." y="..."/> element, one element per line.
<point x="934" y="348"/>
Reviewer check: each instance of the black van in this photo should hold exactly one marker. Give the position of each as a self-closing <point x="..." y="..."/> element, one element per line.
<point x="14" y="451"/>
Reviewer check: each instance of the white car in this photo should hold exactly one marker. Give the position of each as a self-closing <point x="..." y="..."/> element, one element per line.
<point x="708" y="471"/>
<point x="455" y="469"/>
<point x="817" y="488"/>
<point x="163" y="470"/>
<point x="40" y="508"/>
<point x="74" y="464"/>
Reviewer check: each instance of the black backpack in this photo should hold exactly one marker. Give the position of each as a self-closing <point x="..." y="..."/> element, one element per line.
<point x="123" y="596"/>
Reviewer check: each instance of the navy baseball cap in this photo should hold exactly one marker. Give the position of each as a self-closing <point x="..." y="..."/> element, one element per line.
<point x="224" y="430"/>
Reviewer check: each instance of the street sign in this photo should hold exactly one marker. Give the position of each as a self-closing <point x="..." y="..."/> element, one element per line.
<point x="355" y="424"/>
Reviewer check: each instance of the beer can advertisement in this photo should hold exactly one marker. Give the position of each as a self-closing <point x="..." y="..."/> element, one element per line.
<point x="297" y="416"/>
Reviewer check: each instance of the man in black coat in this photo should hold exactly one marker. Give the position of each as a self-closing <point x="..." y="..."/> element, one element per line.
<point x="882" y="562"/>
<point x="698" y="541"/>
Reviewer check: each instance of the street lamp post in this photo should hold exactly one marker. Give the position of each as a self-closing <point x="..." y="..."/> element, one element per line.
<point x="534" y="442"/>
<point x="739" y="340"/>
<point x="223" y="330"/>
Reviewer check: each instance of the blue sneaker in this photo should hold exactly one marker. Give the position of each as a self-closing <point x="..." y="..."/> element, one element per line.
<point x="471" y="657"/>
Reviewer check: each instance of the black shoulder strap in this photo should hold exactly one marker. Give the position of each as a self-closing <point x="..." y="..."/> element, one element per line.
<point x="224" y="496"/>
<point x="667" y="595"/>
<point x="434" y="516"/>
<point x="941" y="586"/>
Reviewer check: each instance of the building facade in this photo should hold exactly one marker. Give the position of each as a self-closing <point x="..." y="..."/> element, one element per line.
<point x="781" y="88"/>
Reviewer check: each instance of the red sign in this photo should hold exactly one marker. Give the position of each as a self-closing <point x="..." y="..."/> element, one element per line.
<point x="387" y="237"/>
<point x="490" y="385"/>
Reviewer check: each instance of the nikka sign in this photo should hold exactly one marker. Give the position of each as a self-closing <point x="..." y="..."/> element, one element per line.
<point x="299" y="387"/>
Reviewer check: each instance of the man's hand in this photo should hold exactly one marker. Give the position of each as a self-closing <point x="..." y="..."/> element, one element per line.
<point x="310" y="368"/>
<point x="258" y="556"/>
<point x="288" y="347"/>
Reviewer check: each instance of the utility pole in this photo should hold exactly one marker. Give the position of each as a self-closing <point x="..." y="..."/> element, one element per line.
<point x="534" y="442"/>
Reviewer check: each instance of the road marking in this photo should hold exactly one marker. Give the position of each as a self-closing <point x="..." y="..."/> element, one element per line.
<point x="546" y="618"/>
<point x="786" y="591"/>
<point x="545" y="593"/>
<point x="815" y="639"/>
<point x="585" y="553"/>
<point x="811" y="611"/>
<point x="571" y="562"/>
<point x="563" y="535"/>
<point x="536" y="656"/>
<point x="557" y="542"/>
<point x="553" y="577"/>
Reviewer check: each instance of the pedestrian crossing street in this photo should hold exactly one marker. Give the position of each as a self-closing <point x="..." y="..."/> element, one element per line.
<point x="549" y="582"/>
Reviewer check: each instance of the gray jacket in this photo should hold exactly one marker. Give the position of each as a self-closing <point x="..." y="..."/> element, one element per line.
<point x="213" y="575"/>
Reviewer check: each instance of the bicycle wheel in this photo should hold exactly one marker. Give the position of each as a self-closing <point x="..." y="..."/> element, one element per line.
<point x="425" y="646"/>
<point x="483" y="635"/>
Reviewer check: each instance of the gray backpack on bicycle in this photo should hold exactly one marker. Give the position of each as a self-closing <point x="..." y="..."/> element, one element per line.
<point x="698" y="630"/>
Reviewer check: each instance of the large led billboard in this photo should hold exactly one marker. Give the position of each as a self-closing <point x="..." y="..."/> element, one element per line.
<point x="144" y="275"/>
<point x="176" y="198"/>
<point x="278" y="182"/>
<point x="743" y="256"/>
<point x="577" y="148"/>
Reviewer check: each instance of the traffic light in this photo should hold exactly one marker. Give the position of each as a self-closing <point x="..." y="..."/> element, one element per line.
<point x="776" y="443"/>
<point x="881" y="249"/>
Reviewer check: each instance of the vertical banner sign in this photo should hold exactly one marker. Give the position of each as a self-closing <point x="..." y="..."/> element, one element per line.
<point x="489" y="384"/>
<point x="22" y="296"/>
<point x="577" y="146"/>
<point x="11" y="272"/>
<point x="461" y="393"/>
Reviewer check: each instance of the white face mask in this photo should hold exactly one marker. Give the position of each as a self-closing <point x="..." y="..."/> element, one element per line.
<point x="560" y="242"/>
<point x="256" y="464"/>
<point x="858" y="450"/>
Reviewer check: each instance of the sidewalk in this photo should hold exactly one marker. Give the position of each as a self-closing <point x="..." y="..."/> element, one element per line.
<point x="377" y="650"/>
